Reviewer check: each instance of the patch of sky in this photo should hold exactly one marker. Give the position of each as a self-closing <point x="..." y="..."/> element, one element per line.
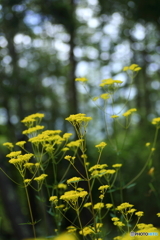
<point x="158" y="107"/>
<point x="139" y="32"/>
<point x="84" y="14"/>
<point x="6" y="60"/>
<point x="32" y="18"/>
<point x="3" y="42"/>
<point x="19" y="8"/>
<point x="155" y="85"/>
<point x="22" y="62"/>
<point x="3" y="116"/>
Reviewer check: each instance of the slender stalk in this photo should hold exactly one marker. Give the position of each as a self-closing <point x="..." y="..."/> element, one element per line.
<point x="31" y="215"/>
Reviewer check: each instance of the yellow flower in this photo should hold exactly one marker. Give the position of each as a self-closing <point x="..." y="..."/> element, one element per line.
<point x="98" y="166"/>
<point x="95" y="98"/>
<point x="13" y="154"/>
<point x="71" y="229"/>
<point x="33" y="129"/>
<point x="158" y="214"/>
<point x="65" y="149"/>
<point x="131" y="210"/>
<point x="62" y="186"/>
<point x="119" y="224"/>
<point x="68" y="157"/>
<point x="105" y="96"/>
<point x="33" y="117"/>
<point x="73" y="196"/>
<point x="156" y="121"/>
<point x="110" y="171"/>
<point x="139" y="214"/>
<point x="104" y="187"/>
<point x="117" y="165"/>
<point x="124" y="206"/>
<point x="66" y="236"/>
<point x="27" y="180"/>
<point x="87" y="204"/>
<point x="21" y="144"/>
<point x="53" y="199"/>
<point x="129" y="112"/>
<point x="114" y="116"/>
<point x="74" y="180"/>
<point x="132" y="67"/>
<point x="87" y="231"/>
<point x="76" y="143"/>
<point x="9" y="145"/>
<point x="81" y="79"/>
<point x="101" y="145"/>
<point x="67" y="135"/>
<point x="98" y="206"/>
<point x="148" y="144"/>
<point x="29" y="166"/>
<point x="40" y="178"/>
<point x="114" y="219"/>
<point x="109" y="205"/>
<point x="109" y="81"/>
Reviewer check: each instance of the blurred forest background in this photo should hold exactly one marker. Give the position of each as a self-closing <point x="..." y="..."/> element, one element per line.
<point x="44" y="45"/>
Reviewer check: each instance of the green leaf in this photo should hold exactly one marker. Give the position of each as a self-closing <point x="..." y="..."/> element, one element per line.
<point x="131" y="185"/>
<point x="40" y="199"/>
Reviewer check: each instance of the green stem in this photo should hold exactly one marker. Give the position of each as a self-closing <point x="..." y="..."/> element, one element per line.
<point x="31" y="215"/>
<point x="149" y="157"/>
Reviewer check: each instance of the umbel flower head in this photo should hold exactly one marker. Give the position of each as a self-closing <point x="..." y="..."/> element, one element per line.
<point x="71" y="197"/>
<point x="79" y="118"/>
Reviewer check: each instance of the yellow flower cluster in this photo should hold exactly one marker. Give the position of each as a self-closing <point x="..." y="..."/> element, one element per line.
<point x="139" y="214"/>
<point x="98" y="166"/>
<point x="70" y="158"/>
<point x="102" y="172"/>
<point x="74" y="180"/>
<point x="129" y="112"/>
<point x="83" y="79"/>
<point x="71" y="229"/>
<point x="91" y="230"/>
<point x="132" y="67"/>
<point x="99" y="206"/>
<point x="40" y="178"/>
<point x="75" y="144"/>
<point x="33" y="129"/>
<point x="62" y="186"/>
<point x="53" y="199"/>
<point x="119" y="223"/>
<point x="65" y="236"/>
<point x="109" y="81"/>
<point x="9" y="145"/>
<point x="77" y="119"/>
<point x="114" y="116"/>
<point x="104" y="187"/>
<point x="29" y="120"/>
<point x="124" y="206"/>
<point x="87" y="204"/>
<point x="73" y="196"/>
<point x="13" y="154"/>
<point x="101" y="145"/>
<point x="21" y="144"/>
<point x="156" y="121"/>
<point x="109" y="205"/>
<point x="48" y="138"/>
<point x="117" y="165"/>
<point x="21" y="159"/>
